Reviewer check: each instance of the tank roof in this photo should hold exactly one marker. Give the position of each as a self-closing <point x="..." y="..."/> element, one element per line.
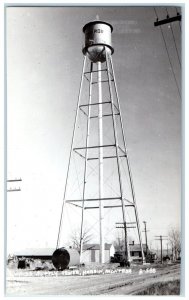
<point x="97" y="22"/>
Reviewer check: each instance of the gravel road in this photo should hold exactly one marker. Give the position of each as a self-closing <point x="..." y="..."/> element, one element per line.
<point x="108" y="284"/>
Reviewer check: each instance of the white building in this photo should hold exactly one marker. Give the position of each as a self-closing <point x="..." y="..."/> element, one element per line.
<point x="91" y="253"/>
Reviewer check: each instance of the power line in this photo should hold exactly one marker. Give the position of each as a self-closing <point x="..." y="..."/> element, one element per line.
<point x="168" y="56"/>
<point x="174" y="38"/>
<point x="178" y="15"/>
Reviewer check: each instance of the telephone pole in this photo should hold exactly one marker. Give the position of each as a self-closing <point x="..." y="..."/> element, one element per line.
<point x="167" y="20"/>
<point x="124" y="225"/>
<point x="167" y="250"/>
<point x="15" y="189"/>
<point x="161" y="239"/>
<point x="145" y="231"/>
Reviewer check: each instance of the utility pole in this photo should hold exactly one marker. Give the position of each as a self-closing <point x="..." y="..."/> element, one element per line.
<point x="15" y="189"/>
<point x="161" y="239"/>
<point x="145" y="231"/>
<point x="123" y="225"/>
<point x="167" y="20"/>
<point x="167" y="250"/>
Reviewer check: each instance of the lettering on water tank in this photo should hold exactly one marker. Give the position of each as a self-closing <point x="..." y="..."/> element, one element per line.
<point x="98" y="31"/>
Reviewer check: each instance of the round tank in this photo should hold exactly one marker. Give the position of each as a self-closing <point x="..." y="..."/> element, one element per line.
<point x="62" y="258"/>
<point x="97" y="37"/>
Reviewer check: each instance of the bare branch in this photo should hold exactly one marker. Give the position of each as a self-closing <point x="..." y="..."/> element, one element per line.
<point x="174" y="237"/>
<point x="75" y="238"/>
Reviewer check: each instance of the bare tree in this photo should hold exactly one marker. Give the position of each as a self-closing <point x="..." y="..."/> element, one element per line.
<point x="75" y="238"/>
<point x="119" y="242"/>
<point x="174" y="237"/>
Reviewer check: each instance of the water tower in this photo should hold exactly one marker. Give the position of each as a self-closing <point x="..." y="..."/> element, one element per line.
<point x="103" y="106"/>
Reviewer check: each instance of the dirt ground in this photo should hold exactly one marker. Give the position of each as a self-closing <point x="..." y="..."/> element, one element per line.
<point x="24" y="283"/>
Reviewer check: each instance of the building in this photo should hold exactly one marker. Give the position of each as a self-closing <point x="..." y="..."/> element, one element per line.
<point x="135" y="251"/>
<point x="33" y="258"/>
<point x="35" y="253"/>
<point x="91" y="253"/>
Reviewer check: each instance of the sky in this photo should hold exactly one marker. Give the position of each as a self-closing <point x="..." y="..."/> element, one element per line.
<point x="44" y="63"/>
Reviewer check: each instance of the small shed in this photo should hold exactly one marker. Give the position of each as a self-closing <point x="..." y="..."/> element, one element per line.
<point x="91" y="253"/>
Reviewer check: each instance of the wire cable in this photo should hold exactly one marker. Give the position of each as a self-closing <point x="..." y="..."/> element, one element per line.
<point x="179" y="21"/>
<point x="174" y="38"/>
<point x="168" y="55"/>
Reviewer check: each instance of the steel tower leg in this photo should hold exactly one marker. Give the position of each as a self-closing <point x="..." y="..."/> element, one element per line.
<point x="127" y="250"/>
<point x="109" y="69"/>
<point x="100" y="135"/>
<point x="70" y="155"/>
<point x="128" y="165"/>
<point x="86" y="158"/>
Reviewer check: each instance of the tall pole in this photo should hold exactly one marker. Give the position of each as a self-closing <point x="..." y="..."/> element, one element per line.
<point x="14" y="189"/>
<point x="100" y="136"/>
<point x="127" y="250"/>
<point x="161" y="249"/>
<point x="70" y="156"/>
<point x="161" y="239"/>
<point x="146" y="237"/>
<point x="86" y="158"/>
<point x="128" y="163"/>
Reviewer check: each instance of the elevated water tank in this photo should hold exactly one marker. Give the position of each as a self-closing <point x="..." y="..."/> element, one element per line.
<point x="97" y="37"/>
<point x="62" y="258"/>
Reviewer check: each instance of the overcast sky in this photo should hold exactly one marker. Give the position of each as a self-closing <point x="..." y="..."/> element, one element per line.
<point x="44" y="62"/>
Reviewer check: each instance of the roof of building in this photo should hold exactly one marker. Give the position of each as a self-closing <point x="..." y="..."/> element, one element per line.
<point x="49" y="251"/>
<point x="136" y="247"/>
<point x="35" y="252"/>
<point x="96" y="246"/>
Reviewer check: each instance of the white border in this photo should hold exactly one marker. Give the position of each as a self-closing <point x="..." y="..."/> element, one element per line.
<point x="186" y="109"/>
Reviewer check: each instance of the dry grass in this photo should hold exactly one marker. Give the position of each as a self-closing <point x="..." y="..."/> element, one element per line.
<point x="162" y="288"/>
